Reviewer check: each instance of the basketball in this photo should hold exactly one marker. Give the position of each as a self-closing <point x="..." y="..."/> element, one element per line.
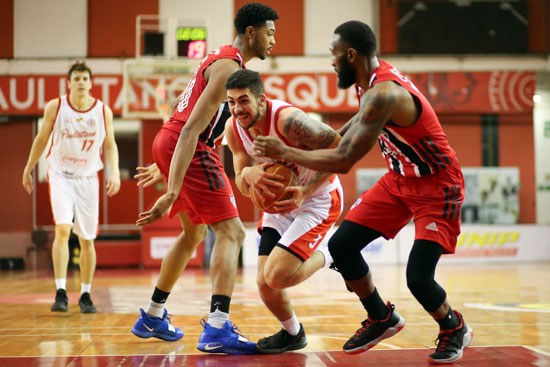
<point x="290" y="179"/>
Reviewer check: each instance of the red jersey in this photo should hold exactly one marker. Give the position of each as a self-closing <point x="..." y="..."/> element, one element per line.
<point x="420" y="149"/>
<point x="189" y="97"/>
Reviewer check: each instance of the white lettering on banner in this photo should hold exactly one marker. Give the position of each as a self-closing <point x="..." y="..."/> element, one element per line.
<point x="147" y="92"/>
<point x="305" y="98"/>
<point x="3" y="102"/>
<point x="272" y="86"/>
<point x="105" y="83"/>
<point x="352" y="98"/>
<point x="13" y="94"/>
<point x="40" y="98"/>
<point x="487" y="239"/>
<point x="132" y="97"/>
<point x="325" y="99"/>
<point x="62" y="86"/>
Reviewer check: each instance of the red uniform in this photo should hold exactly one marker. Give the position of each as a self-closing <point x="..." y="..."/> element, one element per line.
<point x="206" y="195"/>
<point x="424" y="179"/>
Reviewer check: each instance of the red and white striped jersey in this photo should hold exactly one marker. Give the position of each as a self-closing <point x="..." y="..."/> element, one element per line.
<point x="274" y="107"/>
<point x="189" y="97"/>
<point x="77" y="139"/>
<point x="417" y="150"/>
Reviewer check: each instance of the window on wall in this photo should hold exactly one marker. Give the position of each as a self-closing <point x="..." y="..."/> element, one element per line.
<point x="462" y="27"/>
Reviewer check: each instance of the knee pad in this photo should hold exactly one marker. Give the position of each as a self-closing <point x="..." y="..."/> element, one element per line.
<point x="420" y="274"/>
<point x="345" y="248"/>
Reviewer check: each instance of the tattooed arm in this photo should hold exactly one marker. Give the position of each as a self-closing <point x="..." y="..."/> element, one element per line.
<point x="300" y="128"/>
<point x="377" y="106"/>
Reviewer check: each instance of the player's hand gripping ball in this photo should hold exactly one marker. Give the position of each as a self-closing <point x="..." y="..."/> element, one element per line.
<point x="290" y="179"/>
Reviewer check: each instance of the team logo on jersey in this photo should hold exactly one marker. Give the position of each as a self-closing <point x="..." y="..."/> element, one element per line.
<point x="79" y="119"/>
<point x="67" y="120"/>
<point x="90" y="122"/>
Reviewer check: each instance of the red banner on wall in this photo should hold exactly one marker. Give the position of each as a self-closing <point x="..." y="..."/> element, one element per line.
<point x="453" y="92"/>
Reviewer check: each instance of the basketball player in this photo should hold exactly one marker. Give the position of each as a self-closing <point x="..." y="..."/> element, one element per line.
<point x="81" y="126"/>
<point x="289" y="238"/>
<point x="183" y="151"/>
<point x="424" y="182"/>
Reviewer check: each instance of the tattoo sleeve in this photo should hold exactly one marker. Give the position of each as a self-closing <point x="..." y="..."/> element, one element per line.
<point x="308" y="131"/>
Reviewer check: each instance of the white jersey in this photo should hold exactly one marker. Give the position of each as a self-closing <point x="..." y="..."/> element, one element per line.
<point x="274" y="107"/>
<point x="77" y="139"/>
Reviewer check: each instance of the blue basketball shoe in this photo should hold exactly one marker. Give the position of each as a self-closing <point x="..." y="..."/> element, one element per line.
<point x="147" y="326"/>
<point x="226" y="340"/>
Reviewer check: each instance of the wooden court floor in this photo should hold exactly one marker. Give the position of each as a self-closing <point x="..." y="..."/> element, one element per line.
<point x="507" y="306"/>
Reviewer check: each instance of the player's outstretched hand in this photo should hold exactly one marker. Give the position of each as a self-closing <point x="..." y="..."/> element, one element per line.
<point x="156" y="212"/>
<point x="147" y="176"/>
<point x="269" y="146"/>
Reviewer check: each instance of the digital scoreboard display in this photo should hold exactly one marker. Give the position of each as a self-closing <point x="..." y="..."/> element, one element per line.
<point x="191" y="42"/>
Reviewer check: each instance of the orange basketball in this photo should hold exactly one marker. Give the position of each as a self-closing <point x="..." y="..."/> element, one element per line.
<point x="290" y="179"/>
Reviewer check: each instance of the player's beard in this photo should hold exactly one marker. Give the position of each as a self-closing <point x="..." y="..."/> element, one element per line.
<point x="260" y="51"/>
<point x="346" y="75"/>
<point x="254" y="120"/>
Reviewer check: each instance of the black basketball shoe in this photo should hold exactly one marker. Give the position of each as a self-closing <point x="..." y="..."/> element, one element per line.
<point x="86" y="304"/>
<point x="374" y="331"/>
<point x="61" y="301"/>
<point x="282" y="341"/>
<point x="451" y="343"/>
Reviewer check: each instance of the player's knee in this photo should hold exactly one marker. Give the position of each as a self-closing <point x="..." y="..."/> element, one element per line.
<point x="62" y="232"/>
<point x="277" y="279"/>
<point x="263" y="287"/>
<point x="86" y="244"/>
<point x="417" y="283"/>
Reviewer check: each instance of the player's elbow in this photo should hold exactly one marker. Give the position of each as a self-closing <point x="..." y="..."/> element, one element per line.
<point x="342" y="166"/>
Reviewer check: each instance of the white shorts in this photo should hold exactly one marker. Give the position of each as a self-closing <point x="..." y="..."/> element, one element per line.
<point x="304" y="229"/>
<point x="76" y="198"/>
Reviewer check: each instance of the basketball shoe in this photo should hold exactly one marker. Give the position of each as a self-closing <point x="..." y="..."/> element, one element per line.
<point x="61" y="301"/>
<point x="86" y="304"/>
<point x="148" y="326"/>
<point x="374" y="331"/>
<point x="451" y="343"/>
<point x="282" y="341"/>
<point x="225" y="340"/>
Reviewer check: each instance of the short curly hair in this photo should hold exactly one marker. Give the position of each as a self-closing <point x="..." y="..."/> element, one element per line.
<point x="244" y="78"/>
<point x="79" y="66"/>
<point x="253" y="14"/>
<point x="358" y="35"/>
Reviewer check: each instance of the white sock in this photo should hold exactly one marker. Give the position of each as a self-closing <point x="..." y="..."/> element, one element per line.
<point x="61" y="284"/>
<point x="155" y="309"/>
<point x="85" y="288"/>
<point x="292" y="326"/>
<point x="326" y="254"/>
<point x="217" y="318"/>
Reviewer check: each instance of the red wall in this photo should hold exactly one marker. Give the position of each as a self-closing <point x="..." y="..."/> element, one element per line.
<point x="289" y="34"/>
<point x="16" y="204"/>
<point x="6" y="29"/>
<point x="112" y="26"/>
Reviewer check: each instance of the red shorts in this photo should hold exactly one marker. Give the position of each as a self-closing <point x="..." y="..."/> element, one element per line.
<point x="435" y="202"/>
<point x="206" y="195"/>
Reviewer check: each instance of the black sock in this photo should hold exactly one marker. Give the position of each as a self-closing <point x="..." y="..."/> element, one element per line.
<point x="449" y="322"/>
<point x="220" y="302"/>
<point x="376" y="308"/>
<point x="160" y="296"/>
